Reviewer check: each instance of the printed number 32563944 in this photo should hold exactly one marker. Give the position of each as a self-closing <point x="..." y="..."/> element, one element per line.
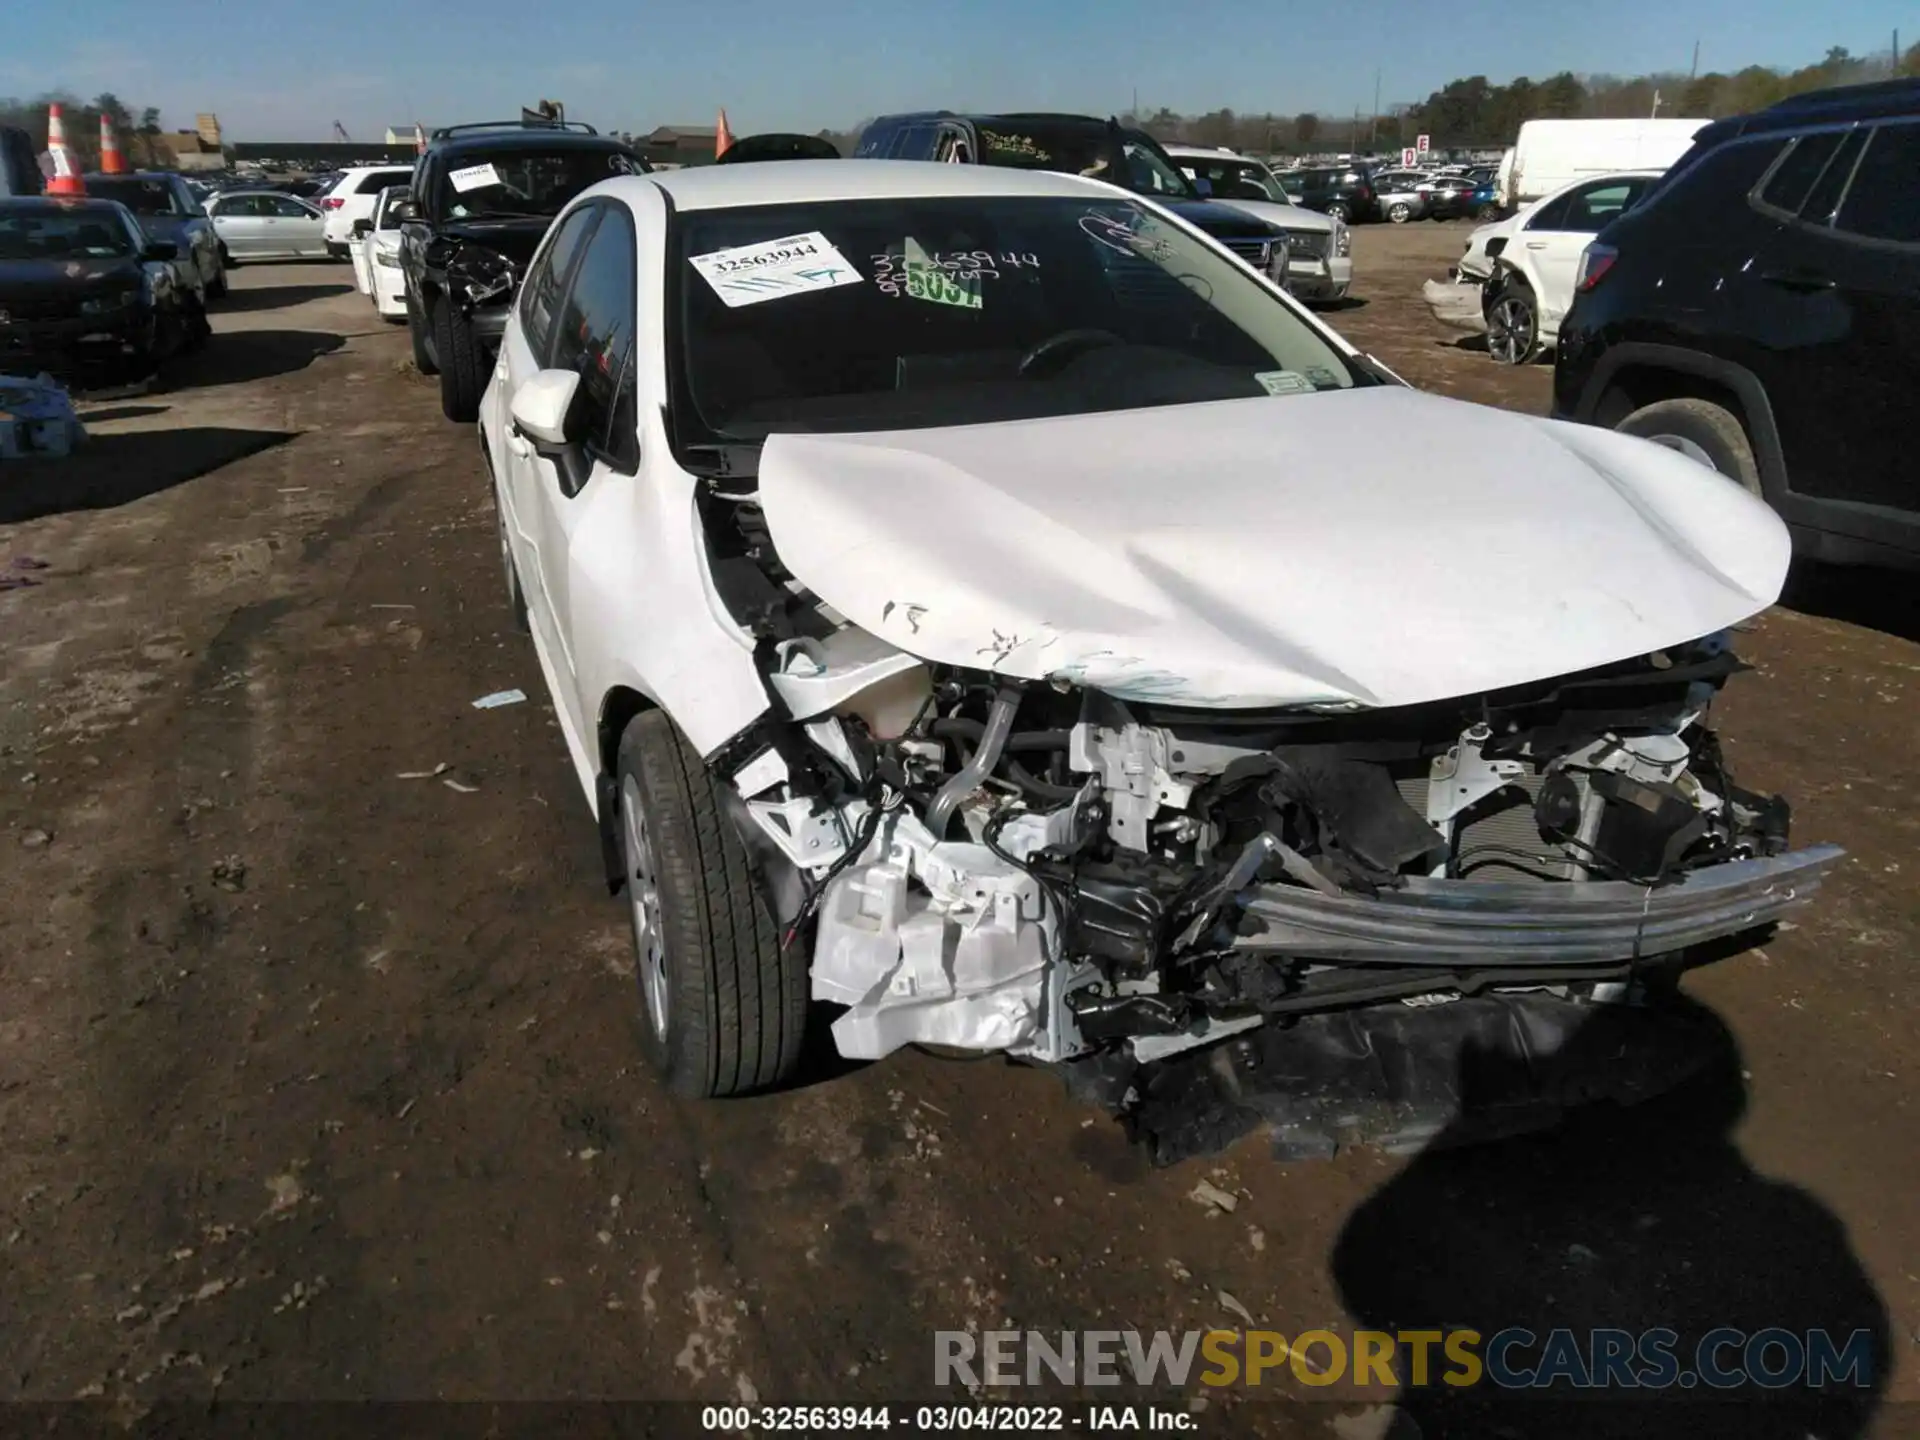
<point x="784" y="254"/>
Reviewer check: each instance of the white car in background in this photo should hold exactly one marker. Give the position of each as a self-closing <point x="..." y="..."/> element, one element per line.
<point x="376" y="256"/>
<point x="947" y="617"/>
<point x="350" y="197"/>
<point x="1518" y="273"/>
<point x="1320" y="259"/>
<point x="266" y="225"/>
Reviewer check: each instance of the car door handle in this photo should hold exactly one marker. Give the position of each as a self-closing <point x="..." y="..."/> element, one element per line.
<point x="1536" y="244"/>
<point x="518" y="445"/>
<point x="1805" y="281"/>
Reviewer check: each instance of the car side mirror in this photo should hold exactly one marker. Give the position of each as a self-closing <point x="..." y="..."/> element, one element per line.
<point x="541" y="406"/>
<point x="362" y="228"/>
<point x="401" y="211"/>
<point x="160" y="250"/>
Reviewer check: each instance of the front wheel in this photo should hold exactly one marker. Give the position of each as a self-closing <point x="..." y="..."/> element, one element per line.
<point x="417" y="330"/>
<point x="1341" y="211"/>
<point x="462" y="373"/>
<point x="1513" y="323"/>
<point x="1702" y="431"/>
<point x="724" y="1006"/>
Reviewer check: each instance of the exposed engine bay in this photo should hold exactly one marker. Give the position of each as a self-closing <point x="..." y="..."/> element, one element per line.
<point x="1043" y="868"/>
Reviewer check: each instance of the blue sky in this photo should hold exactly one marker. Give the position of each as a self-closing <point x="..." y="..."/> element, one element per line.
<point x="273" y="69"/>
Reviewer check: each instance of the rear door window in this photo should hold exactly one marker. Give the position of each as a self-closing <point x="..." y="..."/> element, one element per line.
<point x="1818" y="207"/>
<point x="1593" y="209"/>
<point x="1883" y="202"/>
<point x="1552" y="215"/>
<point x="1794" y="177"/>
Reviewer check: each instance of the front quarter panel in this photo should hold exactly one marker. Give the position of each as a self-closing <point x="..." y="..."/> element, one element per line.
<point x="639" y="583"/>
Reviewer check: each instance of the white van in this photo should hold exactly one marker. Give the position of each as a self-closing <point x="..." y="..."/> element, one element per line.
<point x="1549" y="155"/>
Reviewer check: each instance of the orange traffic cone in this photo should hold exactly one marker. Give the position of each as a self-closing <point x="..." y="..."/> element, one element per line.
<point x="112" y="162"/>
<point x="66" y="170"/>
<point x="722" y="137"/>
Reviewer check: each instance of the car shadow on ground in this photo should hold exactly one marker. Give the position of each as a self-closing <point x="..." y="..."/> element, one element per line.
<point x="1627" y="1219"/>
<point x="237" y="356"/>
<point x="275" y="297"/>
<point x="111" y="470"/>
<point x="1883" y="600"/>
<point x="1342" y="306"/>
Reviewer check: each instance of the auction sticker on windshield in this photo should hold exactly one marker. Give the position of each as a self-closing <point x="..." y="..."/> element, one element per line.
<point x="472" y="177"/>
<point x="791" y="265"/>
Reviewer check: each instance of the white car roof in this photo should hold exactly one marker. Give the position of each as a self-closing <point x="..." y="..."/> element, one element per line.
<point x="787" y="182"/>
<point x="1206" y="152"/>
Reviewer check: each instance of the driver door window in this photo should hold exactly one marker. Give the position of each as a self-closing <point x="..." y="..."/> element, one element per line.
<point x="594" y="338"/>
<point x="540" y="297"/>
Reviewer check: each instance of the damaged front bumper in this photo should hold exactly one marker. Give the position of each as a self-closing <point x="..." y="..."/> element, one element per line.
<point x="1484" y="924"/>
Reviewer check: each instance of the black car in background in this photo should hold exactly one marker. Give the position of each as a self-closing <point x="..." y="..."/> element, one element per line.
<point x="481" y="201"/>
<point x="1344" y="191"/>
<point x="1759" y="310"/>
<point x="1075" y="145"/>
<point x="169" y="210"/>
<point x="19" y="165"/>
<point x="87" y="296"/>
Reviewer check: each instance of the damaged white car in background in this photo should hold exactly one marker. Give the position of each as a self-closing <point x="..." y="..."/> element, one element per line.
<point x="951" y="618"/>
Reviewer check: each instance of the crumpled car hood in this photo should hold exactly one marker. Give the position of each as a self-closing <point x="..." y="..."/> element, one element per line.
<point x="1376" y="547"/>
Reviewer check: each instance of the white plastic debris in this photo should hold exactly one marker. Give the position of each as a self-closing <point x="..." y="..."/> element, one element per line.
<point x="37" y="418"/>
<point x="499" y="698"/>
<point x="1211" y="1195"/>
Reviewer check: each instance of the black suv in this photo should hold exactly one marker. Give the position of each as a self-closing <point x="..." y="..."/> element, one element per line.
<point x="1759" y="310"/>
<point x="1076" y="145"/>
<point x="1343" y="191"/>
<point x="481" y="200"/>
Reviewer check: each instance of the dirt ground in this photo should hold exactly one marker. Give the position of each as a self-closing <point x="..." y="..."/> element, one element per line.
<point x="320" y="1082"/>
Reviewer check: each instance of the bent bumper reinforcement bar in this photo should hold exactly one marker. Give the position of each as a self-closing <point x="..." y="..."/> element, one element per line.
<point x="1482" y="925"/>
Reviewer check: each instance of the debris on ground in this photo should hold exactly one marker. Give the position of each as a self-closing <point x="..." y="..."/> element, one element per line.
<point x="230" y="874"/>
<point x="37" y="418"/>
<point x="1207" y="1193"/>
<point x="36" y="839"/>
<point x="499" y="698"/>
<point x="1234" y="1308"/>
<point x="432" y="774"/>
<point x="464" y="789"/>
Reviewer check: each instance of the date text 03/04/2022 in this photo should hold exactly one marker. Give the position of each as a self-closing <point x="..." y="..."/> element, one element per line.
<point x="930" y="1419"/>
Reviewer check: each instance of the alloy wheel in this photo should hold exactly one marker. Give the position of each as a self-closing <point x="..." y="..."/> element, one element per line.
<point x="643" y="898"/>
<point x="1510" y="330"/>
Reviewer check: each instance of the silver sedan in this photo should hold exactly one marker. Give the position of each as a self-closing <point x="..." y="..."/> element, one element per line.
<point x="266" y="225"/>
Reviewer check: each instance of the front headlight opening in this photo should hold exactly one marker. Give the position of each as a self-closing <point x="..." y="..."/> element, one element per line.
<point x="109" y="304"/>
<point x="1342" y="239"/>
<point x="388" y="258"/>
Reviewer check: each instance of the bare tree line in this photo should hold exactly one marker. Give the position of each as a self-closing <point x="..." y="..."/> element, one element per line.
<point x="1475" y="112"/>
<point x="138" y="131"/>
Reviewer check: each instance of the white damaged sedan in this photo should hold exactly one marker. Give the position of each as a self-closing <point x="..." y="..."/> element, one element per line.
<point x="951" y="616"/>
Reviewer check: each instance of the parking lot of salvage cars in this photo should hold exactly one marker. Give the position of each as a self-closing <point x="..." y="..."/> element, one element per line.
<point x="317" y="1065"/>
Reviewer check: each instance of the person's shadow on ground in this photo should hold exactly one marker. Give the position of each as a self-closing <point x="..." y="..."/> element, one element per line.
<point x="1623" y="1219"/>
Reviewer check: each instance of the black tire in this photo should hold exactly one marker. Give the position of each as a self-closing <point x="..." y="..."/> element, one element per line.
<point x="422" y="351"/>
<point x="227" y="262"/>
<point x="337" y="251"/>
<point x="1399" y="212"/>
<point x="217" y="287"/>
<point x="1513" y="321"/>
<point x="1340" y="211"/>
<point x="1702" y="431"/>
<point x="462" y="372"/>
<point x="735" y="1003"/>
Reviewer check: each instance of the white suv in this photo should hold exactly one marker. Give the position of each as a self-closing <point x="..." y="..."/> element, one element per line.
<point x="1524" y="264"/>
<point x="350" y="197"/>
<point x="1320" y="262"/>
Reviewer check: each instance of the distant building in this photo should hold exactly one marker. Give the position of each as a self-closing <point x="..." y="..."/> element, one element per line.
<point x="679" y="145"/>
<point x="403" y="134"/>
<point x="207" y="127"/>
<point x="189" y="150"/>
